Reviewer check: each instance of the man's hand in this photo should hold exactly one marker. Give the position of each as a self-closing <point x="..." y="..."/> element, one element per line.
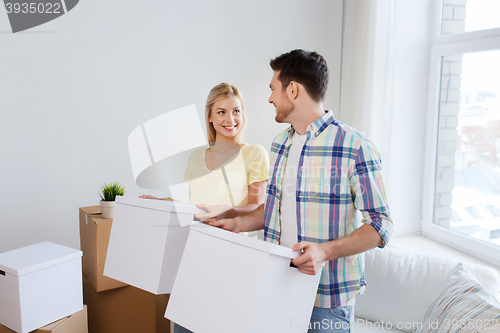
<point x="229" y="218"/>
<point x="214" y="212"/>
<point x="226" y="224"/>
<point x="216" y="216"/>
<point x="312" y="258"/>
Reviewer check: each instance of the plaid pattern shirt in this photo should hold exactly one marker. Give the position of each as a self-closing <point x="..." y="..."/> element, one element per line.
<point x="338" y="173"/>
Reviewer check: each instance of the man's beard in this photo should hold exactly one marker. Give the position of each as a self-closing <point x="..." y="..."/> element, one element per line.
<point x="283" y="111"/>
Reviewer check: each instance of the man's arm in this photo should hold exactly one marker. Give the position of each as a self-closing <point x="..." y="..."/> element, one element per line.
<point x="250" y="221"/>
<point x="362" y="239"/>
<point x="256" y="197"/>
<point x="368" y="190"/>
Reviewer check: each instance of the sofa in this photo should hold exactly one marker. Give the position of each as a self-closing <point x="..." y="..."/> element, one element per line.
<point x="413" y="292"/>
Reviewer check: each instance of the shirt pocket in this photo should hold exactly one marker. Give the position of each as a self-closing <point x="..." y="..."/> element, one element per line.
<point x="327" y="188"/>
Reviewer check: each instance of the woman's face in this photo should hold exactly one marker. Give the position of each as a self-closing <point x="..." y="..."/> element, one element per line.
<point x="227" y="118"/>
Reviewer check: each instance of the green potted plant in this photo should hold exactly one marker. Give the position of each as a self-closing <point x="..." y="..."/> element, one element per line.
<point x="108" y="195"/>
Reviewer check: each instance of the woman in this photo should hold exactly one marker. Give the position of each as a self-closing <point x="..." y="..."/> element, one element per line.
<point x="230" y="173"/>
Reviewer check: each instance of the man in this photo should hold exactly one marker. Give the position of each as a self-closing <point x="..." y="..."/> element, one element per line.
<point x="321" y="172"/>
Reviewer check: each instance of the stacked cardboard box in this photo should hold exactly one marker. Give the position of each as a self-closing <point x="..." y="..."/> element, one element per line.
<point x="94" y="239"/>
<point x="39" y="284"/>
<point x="125" y="310"/>
<point x="114" y="306"/>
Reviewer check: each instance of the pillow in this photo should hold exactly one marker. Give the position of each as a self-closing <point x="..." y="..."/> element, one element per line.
<point x="495" y="329"/>
<point x="462" y="305"/>
<point x="401" y="285"/>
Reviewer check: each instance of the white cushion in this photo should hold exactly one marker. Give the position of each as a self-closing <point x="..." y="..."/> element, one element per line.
<point x="400" y="285"/>
<point x="494" y="329"/>
<point x="462" y="305"/>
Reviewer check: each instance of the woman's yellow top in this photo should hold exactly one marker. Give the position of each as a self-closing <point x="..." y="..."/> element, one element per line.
<point x="250" y="165"/>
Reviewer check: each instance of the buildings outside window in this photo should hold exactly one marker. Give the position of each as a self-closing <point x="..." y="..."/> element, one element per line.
<point x="462" y="167"/>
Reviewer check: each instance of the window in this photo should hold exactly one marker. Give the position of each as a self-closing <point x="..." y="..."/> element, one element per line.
<point x="462" y="171"/>
<point x="469" y="15"/>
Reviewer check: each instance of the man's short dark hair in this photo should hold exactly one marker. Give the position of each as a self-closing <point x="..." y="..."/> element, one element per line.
<point x="304" y="67"/>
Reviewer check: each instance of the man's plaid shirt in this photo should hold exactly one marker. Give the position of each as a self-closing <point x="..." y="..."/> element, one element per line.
<point x="339" y="172"/>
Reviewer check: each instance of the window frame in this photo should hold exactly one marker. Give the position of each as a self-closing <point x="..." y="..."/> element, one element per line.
<point x="441" y="46"/>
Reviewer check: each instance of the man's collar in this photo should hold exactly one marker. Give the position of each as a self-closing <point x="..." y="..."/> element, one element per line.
<point x="318" y="126"/>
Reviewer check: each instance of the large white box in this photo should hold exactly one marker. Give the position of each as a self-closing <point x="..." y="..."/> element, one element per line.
<point x="39" y="284"/>
<point x="230" y="283"/>
<point x="146" y="242"/>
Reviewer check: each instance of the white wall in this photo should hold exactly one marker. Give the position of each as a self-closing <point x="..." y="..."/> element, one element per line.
<point x="73" y="89"/>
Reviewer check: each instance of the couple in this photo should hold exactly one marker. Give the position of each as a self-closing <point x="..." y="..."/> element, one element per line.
<point x="321" y="173"/>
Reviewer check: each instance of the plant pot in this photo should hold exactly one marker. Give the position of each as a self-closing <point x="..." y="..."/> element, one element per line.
<point x="107" y="209"/>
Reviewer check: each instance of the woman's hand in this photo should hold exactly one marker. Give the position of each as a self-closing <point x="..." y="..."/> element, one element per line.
<point x="146" y="196"/>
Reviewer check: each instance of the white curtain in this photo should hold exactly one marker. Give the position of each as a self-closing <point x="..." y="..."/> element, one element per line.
<point x="366" y="86"/>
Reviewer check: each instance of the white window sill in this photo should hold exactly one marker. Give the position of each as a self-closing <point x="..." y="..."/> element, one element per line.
<point x="423" y="245"/>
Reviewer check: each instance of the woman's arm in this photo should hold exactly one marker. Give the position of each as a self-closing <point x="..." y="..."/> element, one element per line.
<point x="256" y="197"/>
<point x="147" y="196"/>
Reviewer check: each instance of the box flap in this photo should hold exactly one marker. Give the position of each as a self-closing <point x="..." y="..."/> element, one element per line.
<point x="254" y="243"/>
<point x="91" y="210"/>
<point x="36" y="257"/>
<point x="163" y="205"/>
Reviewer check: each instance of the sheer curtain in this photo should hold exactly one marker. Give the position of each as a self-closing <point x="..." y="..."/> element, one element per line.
<point x="366" y="97"/>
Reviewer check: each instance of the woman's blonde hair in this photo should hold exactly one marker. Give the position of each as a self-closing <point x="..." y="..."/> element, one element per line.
<point x="220" y="91"/>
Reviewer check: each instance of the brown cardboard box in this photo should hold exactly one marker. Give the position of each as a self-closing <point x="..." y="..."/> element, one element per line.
<point x="125" y="310"/>
<point x="76" y="323"/>
<point x="94" y="239"/>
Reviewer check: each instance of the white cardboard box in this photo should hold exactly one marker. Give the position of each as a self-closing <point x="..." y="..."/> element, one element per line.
<point x="39" y="284"/>
<point x="230" y="283"/>
<point x="147" y="242"/>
